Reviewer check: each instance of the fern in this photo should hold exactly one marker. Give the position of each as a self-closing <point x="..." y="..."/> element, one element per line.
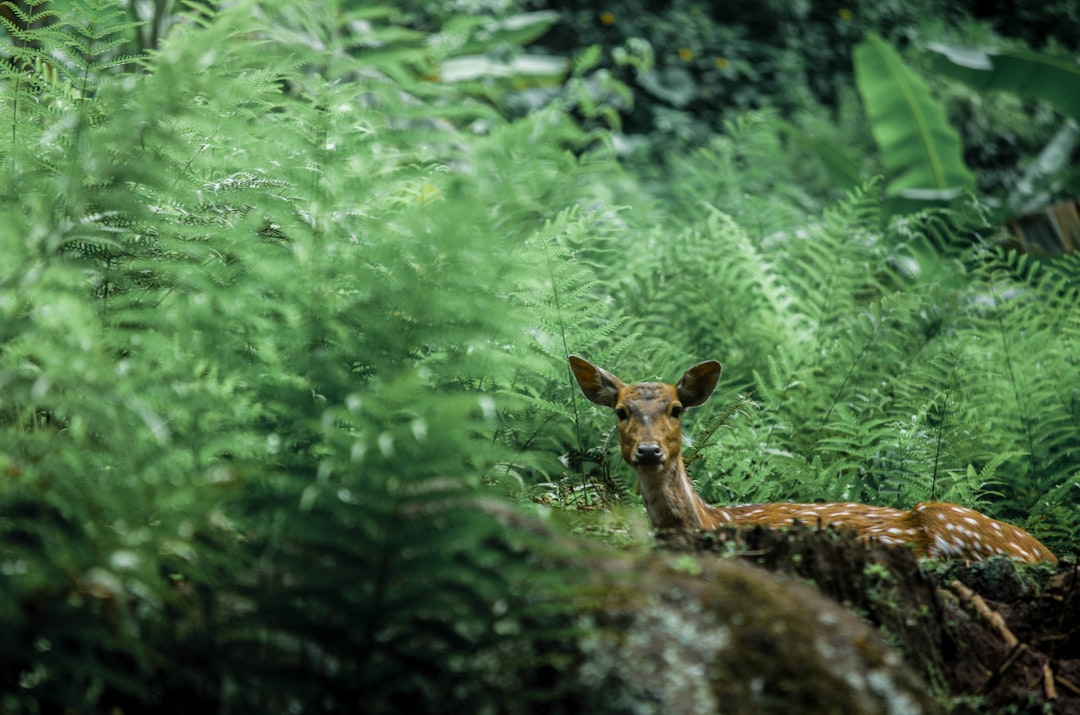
<point x="1022" y="308"/>
<point x="29" y="70"/>
<point x="884" y="396"/>
<point x="947" y="412"/>
<point x="825" y="269"/>
<point x="94" y="31"/>
<point x="735" y="171"/>
<point x="572" y="317"/>
<point x="672" y="287"/>
<point x="255" y="336"/>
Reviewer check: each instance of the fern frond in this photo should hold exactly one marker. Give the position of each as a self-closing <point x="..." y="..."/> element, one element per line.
<point x="1032" y="338"/>
<point x="740" y="406"/>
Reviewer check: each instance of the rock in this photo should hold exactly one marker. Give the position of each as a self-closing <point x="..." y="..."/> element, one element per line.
<point x="682" y="635"/>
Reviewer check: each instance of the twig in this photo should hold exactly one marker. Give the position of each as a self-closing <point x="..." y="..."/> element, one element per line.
<point x="1048" y="682"/>
<point x="995" y="620"/>
<point x="1069" y="685"/>
<point x="1018" y="650"/>
<point x="988" y="614"/>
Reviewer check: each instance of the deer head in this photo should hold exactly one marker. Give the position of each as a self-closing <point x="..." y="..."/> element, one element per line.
<point x="650" y="435"/>
<point x="649" y="413"/>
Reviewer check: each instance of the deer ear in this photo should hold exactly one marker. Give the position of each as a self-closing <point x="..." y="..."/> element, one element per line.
<point x="698" y="383"/>
<point x="599" y="385"/>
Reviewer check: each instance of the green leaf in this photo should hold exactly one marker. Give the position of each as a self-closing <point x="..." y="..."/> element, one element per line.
<point x="521" y="29"/>
<point x="526" y="68"/>
<point x="919" y="148"/>
<point x="674" y="85"/>
<point x="587" y="59"/>
<point x="1031" y="74"/>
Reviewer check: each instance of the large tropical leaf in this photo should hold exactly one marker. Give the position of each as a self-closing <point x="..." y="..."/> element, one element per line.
<point x="1052" y="78"/>
<point x="921" y="151"/>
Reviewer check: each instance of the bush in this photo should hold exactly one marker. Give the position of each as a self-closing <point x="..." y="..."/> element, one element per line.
<point x="259" y="299"/>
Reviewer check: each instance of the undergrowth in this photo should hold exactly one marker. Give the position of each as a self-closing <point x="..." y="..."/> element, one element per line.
<point x="867" y="362"/>
<point x="261" y="294"/>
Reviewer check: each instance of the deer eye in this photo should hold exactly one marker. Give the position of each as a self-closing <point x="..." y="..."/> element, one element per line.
<point x="621" y="414"/>
<point x="676" y="411"/>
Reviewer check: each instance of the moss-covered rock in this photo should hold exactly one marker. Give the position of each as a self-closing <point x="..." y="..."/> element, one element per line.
<point x="723" y="637"/>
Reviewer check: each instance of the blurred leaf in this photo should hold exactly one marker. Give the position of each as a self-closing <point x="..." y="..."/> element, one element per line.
<point x="1052" y="78"/>
<point x="1040" y="183"/>
<point x="587" y="59"/>
<point x="518" y="30"/>
<point x="525" y="67"/>
<point x="674" y="85"/>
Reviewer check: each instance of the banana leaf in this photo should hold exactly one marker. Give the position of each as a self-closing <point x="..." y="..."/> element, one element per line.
<point x="1051" y="78"/>
<point x="921" y="151"/>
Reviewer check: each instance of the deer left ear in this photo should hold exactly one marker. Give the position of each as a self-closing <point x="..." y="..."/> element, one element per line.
<point x="599" y="385"/>
<point x="698" y="383"/>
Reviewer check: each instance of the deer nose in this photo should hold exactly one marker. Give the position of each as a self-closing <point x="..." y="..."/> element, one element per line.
<point x="649" y="453"/>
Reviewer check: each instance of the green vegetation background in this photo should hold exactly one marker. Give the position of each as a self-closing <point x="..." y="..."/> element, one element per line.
<point x="286" y="292"/>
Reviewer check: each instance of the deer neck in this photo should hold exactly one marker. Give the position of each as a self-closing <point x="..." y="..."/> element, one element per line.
<point x="670" y="499"/>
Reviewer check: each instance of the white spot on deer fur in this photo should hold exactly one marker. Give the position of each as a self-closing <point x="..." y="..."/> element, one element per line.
<point x="973" y="522"/>
<point x="943" y="546"/>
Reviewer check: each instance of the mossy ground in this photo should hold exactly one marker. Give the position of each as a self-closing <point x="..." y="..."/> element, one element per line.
<point x="935" y="624"/>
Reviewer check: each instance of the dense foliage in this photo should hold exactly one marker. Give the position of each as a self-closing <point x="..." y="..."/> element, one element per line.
<point x="694" y="66"/>
<point x="283" y="321"/>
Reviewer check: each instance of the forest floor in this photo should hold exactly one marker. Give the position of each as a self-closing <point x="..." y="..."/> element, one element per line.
<point x="989" y="636"/>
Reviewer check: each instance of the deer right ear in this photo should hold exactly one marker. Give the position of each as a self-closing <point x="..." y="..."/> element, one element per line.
<point x="599" y="385"/>
<point x="698" y="383"/>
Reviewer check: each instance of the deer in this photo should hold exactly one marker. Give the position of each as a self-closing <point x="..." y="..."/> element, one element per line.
<point x="650" y="439"/>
